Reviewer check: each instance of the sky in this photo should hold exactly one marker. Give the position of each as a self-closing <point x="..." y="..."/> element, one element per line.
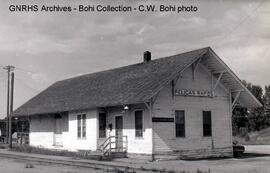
<point x="47" y="47"/>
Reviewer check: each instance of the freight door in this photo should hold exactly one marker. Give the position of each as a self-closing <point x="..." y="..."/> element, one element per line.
<point x="58" y="139"/>
<point x="119" y="132"/>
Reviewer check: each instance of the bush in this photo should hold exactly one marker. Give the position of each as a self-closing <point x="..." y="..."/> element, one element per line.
<point x="247" y="138"/>
<point x="243" y="131"/>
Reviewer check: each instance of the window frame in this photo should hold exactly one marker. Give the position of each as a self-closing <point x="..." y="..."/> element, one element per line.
<point x="203" y="124"/>
<point x="175" y="123"/>
<point x="139" y="137"/>
<point x="81" y="125"/>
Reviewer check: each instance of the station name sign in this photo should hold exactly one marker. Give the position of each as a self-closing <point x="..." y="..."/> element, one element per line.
<point x="193" y="93"/>
<point x="162" y="120"/>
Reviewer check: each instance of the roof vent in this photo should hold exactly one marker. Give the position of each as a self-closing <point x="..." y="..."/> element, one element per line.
<point x="146" y="56"/>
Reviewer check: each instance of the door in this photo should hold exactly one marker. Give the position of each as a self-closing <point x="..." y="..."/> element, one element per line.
<point x="58" y="131"/>
<point x="119" y="132"/>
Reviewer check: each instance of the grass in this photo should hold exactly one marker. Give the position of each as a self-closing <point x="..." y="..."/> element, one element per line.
<point x="87" y="155"/>
<point x="261" y="137"/>
<point x="44" y="151"/>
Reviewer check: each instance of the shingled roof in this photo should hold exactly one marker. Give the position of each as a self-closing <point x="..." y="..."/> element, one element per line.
<point x="126" y="85"/>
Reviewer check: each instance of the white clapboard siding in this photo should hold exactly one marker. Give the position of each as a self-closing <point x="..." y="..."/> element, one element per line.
<point x="43" y="134"/>
<point x="140" y="145"/>
<point x="194" y="142"/>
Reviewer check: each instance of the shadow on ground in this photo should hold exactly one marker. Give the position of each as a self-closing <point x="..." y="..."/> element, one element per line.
<point x="243" y="156"/>
<point x="253" y="155"/>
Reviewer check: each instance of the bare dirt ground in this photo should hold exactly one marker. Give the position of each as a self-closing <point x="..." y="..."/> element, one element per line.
<point x="245" y="165"/>
<point x="17" y="166"/>
<point x="256" y="160"/>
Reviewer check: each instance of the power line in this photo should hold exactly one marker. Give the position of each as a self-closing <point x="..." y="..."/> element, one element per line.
<point x="243" y="20"/>
<point x="2" y="79"/>
<point x="25" y="84"/>
<point x="24" y="70"/>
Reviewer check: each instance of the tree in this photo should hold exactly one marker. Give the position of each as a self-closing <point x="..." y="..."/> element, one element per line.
<point x="266" y="102"/>
<point x="253" y="119"/>
<point x="240" y="121"/>
<point x="256" y="118"/>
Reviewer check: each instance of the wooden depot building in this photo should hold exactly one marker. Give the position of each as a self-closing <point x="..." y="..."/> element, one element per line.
<point x="177" y="106"/>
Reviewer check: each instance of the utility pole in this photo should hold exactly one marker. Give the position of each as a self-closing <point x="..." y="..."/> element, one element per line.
<point x="9" y="68"/>
<point x="7" y="124"/>
<point x="12" y="92"/>
<point x="11" y="109"/>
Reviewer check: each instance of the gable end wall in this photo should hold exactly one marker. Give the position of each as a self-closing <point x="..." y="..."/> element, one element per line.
<point x="193" y="144"/>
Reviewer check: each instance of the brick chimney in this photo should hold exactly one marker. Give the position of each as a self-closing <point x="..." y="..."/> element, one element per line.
<point x="146" y="56"/>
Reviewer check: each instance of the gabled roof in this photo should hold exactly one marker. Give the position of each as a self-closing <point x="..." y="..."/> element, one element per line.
<point x="233" y="84"/>
<point x="126" y="85"/>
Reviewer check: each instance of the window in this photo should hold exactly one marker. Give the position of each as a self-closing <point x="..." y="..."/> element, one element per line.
<point x="207" y="123"/>
<point x="81" y="126"/>
<point x="138" y="123"/>
<point x="180" y="123"/>
<point x="102" y="125"/>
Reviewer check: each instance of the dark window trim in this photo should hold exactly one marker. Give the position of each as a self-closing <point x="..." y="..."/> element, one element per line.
<point x="206" y="133"/>
<point x="184" y="124"/>
<point x="135" y="123"/>
<point x="83" y="125"/>
<point x="105" y="131"/>
<point x="79" y="126"/>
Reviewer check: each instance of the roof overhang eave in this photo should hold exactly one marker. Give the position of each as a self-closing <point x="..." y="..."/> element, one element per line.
<point x="246" y="98"/>
<point x="82" y="109"/>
